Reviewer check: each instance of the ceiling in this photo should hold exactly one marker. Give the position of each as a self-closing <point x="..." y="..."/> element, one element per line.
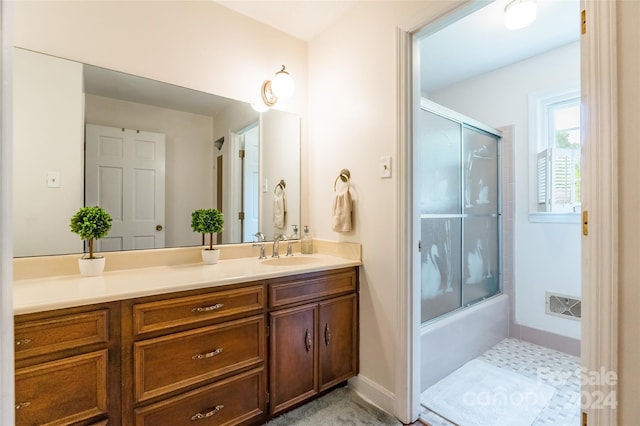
<point x="303" y="19"/>
<point x="479" y="43"/>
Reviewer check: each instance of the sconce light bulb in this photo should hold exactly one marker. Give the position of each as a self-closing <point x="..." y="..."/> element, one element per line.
<point x="282" y="84"/>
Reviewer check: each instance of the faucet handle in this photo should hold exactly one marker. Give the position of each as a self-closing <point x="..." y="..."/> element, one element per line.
<point x="262" y="255"/>
<point x="289" y="252"/>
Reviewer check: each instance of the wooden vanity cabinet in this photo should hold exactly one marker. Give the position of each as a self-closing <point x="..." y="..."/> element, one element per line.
<point x="67" y="366"/>
<point x="195" y="356"/>
<point x="313" y="335"/>
<point x="236" y="354"/>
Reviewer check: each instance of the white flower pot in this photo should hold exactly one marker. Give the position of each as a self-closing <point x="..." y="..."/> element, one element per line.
<point x="91" y="267"/>
<point x="210" y="257"/>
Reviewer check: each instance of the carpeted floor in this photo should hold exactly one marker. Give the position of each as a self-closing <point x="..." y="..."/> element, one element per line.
<point x="339" y="407"/>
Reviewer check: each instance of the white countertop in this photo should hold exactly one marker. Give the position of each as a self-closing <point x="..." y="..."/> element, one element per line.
<point x="43" y="294"/>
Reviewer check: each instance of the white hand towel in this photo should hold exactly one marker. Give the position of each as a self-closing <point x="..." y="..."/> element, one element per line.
<point x="279" y="209"/>
<point x="342" y="212"/>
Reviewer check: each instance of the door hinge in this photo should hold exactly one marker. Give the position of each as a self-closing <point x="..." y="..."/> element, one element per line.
<point x="584" y="419"/>
<point x="241" y="153"/>
<point x="240" y="215"/>
<point x="419" y="245"/>
<point x="585" y="222"/>
<point x="583" y="22"/>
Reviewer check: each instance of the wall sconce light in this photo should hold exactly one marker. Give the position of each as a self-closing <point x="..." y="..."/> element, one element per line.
<point x="281" y="86"/>
<point x="519" y="13"/>
<point x="218" y="144"/>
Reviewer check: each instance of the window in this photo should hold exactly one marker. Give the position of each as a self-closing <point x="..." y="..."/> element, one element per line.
<point x="555" y="135"/>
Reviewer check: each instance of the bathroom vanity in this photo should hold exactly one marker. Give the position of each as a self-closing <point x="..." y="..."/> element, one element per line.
<point x="235" y="343"/>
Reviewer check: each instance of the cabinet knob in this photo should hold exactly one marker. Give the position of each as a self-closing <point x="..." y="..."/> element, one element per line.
<point x="200" y="416"/>
<point x="21" y="342"/>
<point x="158" y="227"/>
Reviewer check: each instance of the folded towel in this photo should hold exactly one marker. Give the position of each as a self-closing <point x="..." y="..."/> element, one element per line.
<point x="342" y="212"/>
<point x="279" y="208"/>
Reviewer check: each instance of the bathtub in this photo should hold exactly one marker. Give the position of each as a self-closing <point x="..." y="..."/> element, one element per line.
<point x="450" y="341"/>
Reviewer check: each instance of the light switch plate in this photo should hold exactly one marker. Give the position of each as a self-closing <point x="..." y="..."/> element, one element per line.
<point x="53" y="179"/>
<point x="385" y="167"/>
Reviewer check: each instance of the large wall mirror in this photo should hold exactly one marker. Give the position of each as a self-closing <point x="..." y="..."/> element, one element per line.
<point x="149" y="153"/>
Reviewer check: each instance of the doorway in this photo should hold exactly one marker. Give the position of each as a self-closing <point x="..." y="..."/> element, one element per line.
<point x="473" y="95"/>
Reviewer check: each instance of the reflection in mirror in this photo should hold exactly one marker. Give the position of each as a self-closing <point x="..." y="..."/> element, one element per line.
<point x="142" y="135"/>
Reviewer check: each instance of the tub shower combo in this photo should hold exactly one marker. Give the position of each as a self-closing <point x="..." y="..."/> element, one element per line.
<point x="459" y="195"/>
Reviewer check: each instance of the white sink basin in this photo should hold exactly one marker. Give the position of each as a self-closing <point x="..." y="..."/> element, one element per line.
<point x="290" y="261"/>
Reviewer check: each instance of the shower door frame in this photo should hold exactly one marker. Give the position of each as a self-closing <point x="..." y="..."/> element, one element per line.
<point x="466" y="122"/>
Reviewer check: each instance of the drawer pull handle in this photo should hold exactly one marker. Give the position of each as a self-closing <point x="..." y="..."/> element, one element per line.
<point x="21" y="342"/>
<point x="327" y="335"/>
<point x="200" y="309"/>
<point x="22" y="405"/>
<point x="200" y="416"/>
<point x="307" y="340"/>
<point x="207" y="355"/>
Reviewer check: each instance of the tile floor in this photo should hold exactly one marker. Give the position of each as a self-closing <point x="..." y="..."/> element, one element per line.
<point x="550" y="367"/>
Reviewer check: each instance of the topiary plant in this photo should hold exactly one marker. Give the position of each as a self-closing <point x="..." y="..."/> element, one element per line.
<point x="207" y="221"/>
<point x="91" y="223"/>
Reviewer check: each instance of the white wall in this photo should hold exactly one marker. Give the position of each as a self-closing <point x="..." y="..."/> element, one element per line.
<point x="46" y="142"/>
<point x="353" y="108"/>
<point x="189" y="164"/>
<point x="547" y="255"/>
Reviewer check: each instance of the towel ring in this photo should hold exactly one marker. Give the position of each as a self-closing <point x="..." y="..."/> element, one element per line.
<point x="282" y="185"/>
<point x="345" y="176"/>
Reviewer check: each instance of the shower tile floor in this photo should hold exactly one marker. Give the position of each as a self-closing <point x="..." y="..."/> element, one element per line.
<point x="554" y="368"/>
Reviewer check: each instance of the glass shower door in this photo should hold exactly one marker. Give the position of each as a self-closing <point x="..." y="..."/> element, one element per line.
<point x="457" y="191"/>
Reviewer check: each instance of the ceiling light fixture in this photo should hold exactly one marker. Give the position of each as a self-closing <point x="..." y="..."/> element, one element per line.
<point x="281" y="86"/>
<point x="519" y="13"/>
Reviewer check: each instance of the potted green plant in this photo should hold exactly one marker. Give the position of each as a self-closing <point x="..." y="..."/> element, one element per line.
<point x="208" y="221"/>
<point x="91" y="223"/>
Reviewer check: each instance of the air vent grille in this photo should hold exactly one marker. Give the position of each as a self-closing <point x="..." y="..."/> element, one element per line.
<point x="563" y="306"/>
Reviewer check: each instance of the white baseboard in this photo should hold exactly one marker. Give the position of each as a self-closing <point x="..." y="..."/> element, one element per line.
<point x="374" y="393"/>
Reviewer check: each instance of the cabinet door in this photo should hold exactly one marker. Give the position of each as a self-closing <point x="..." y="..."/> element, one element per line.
<point x="68" y="391"/>
<point x="337" y="340"/>
<point x="293" y="362"/>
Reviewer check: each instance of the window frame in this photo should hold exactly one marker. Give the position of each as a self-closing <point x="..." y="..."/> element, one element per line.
<point x="539" y="130"/>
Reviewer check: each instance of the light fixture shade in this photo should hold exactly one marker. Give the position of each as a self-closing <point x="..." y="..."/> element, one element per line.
<point x="282" y="84"/>
<point x="520" y="13"/>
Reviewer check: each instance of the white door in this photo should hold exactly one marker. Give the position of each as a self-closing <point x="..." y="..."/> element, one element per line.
<point x="125" y="175"/>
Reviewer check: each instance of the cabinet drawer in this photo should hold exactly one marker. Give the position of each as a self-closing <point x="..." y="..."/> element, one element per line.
<point x="59" y="333"/>
<point x="62" y="392"/>
<point x="305" y="288"/>
<point x="164" y="314"/>
<point x="173" y="362"/>
<point x="227" y="402"/>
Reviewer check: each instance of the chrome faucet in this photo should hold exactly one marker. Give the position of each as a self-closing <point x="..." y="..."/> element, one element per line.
<point x="259" y="235"/>
<point x="276" y="244"/>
